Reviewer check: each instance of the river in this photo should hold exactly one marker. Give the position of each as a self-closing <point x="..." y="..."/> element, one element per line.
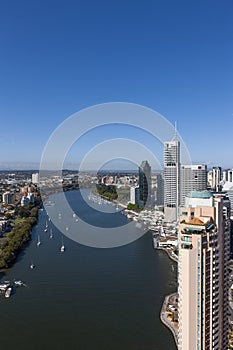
<point x="87" y="298"/>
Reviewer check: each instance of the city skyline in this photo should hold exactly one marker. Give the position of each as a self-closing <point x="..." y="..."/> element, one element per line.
<point x="172" y="57"/>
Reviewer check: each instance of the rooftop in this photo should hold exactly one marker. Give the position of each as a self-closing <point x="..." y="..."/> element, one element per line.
<point x="200" y="194"/>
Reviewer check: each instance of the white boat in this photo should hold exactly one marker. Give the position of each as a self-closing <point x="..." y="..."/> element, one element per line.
<point x="19" y="283"/>
<point x="46" y="227"/>
<point x="62" y="246"/>
<point x="38" y="241"/>
<point x="8" y="292"/>
<point x="51" y="234"/>
<point x="74" y="215"/>
<point x="4" y="285"/>
<point x="32" y="266"/>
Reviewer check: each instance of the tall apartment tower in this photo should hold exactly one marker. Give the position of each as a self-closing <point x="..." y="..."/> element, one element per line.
<point x="145" y="184"/>
<point x="203" y="273"/>
<point x="192" y="177"/>
<point x="171" y="180"/>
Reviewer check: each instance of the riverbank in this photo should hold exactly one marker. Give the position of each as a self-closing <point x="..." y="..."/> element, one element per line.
<point x="12" y="243"/>
<point x="169" y="314"/>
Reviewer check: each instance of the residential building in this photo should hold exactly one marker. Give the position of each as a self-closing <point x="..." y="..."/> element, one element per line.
<point x="203" y="272"/>
<point x="8" y="198"/>
<point x="25" y="200"/>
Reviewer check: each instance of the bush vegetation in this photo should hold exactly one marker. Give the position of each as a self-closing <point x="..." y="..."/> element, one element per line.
<point x="107" y="191"/>
<point x="134" y="207"/>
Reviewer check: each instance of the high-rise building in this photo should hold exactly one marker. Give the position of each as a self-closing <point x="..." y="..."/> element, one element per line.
<point x="144" y="184"/>
<point x="159" y="201"/>
<point x="35" y="178"/>
<point x="230" y="175"/>
<point x="8" y="198"/>
<point x="225" y="175"/>
<point x="217" y="177"/>
<point x="192" y="177"/>
<point x="171" y="180"/>
<point x="203" y="272"/>
<point x="228" y="189"/>
<point x="134" y="194"/>
<point x="210" y="179"/>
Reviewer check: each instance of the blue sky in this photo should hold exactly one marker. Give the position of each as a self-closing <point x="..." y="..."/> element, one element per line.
<point x="174" y="56"/>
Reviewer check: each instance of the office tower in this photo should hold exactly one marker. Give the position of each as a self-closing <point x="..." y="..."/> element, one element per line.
<point x="145" y="184"/>
<point x="171" y="180"/>
<point x="203" y="272"/>
<point x="217" y="176"/>
<point x="192" y="177"/>
<point x="159" y="190"/>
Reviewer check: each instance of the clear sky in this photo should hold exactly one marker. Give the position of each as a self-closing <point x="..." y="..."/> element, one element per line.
<point x="174" y="56"/>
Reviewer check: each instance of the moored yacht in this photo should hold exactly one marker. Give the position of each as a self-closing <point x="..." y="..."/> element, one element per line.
<point x="46" y="227"/>
<point x="8" y="292"/>
<point x="38" y="241"/>
<point x="4" y="285"/>
<point x="18" y="283"/>
<point x="62" y="246"/>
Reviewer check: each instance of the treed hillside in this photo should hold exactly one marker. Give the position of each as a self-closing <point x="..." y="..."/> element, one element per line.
<point x="14" y="241"/>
